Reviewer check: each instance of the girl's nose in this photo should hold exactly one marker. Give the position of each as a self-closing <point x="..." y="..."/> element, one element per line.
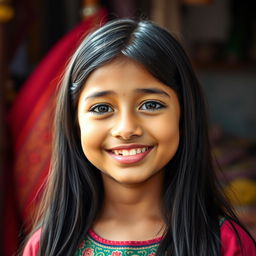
<point x="126" y="127"/>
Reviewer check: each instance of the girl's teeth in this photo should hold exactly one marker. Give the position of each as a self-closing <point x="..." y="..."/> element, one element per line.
<point x="130" y="152"/>
<point x="126" y="153"/>
<point x="116" y="152"/>
<point x="138" y="150"/>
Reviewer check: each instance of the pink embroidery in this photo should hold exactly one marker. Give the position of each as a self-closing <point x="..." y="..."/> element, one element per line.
<point x="123" y="243"/>
<point x="88" y="252"/>
<point x="82" y="244"/>
<point x="116" y="253"/>
<point x="152" y="254"/>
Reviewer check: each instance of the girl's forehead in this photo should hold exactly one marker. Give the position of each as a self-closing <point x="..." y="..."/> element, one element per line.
<point x="119" y="67"/>
<point x="122" y="75"/>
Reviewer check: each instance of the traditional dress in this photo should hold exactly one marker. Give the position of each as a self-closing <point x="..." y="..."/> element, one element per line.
<point x="94" y="245"/>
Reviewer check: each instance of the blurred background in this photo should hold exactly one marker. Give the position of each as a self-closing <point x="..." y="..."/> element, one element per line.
<point x="37" y="38"/>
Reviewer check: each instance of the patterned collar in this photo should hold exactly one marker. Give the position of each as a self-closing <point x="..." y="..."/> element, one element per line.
<point x="94" y="245"/>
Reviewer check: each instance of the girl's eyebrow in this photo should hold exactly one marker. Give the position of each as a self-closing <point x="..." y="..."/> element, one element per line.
<point x="152" y="91"/>
<point x="139" y="90"/>
<point x="99" y="94"/>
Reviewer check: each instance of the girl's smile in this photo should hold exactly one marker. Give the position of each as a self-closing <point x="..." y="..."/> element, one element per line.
<point x="131" y="153"/>
<point x="129" y="121"/>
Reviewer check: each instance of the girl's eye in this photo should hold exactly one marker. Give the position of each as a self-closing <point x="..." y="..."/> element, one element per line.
<point x="101" y="109"/>
<point x="152" y="106"/>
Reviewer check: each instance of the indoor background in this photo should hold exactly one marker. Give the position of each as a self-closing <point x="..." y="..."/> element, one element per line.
<point x="38" y="36"/>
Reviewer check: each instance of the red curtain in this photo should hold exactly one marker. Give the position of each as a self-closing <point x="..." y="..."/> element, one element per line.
<point x="30" y="122"/>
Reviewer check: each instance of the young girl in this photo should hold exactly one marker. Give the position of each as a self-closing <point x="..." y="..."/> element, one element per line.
<point x="132" y="171"/>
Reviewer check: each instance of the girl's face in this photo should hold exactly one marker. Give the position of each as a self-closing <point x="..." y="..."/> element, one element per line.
<point x="129" y="122"/>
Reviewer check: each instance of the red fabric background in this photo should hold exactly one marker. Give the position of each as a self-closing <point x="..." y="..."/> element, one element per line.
<point x="30" y="122"/>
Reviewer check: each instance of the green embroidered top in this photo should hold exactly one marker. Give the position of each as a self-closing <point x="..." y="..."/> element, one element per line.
<point x="93" y="245"/>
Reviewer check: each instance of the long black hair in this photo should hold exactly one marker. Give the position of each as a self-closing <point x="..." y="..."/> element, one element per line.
<point x="193" y="202"/>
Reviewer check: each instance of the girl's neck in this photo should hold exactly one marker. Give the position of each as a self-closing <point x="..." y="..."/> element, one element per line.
<point x="134" y="209"/>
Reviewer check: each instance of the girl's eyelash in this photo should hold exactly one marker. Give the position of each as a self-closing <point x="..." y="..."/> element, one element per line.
<point x="152" y="105"/>
<point x="101" y="109"/>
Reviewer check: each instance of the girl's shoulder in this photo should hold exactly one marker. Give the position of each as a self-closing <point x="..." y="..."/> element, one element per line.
<point x="32" y="246"/>
<point x="230" y="234"/>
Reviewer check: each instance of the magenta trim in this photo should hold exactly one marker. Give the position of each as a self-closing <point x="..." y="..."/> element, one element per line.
<point x="123" y="243"/>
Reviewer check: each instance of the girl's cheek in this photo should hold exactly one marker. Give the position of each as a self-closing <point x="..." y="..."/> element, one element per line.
<point x="92" y="134"/>
<point x="167" y="127"/>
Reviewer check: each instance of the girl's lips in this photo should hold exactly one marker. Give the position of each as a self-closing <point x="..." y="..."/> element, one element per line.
<point x="130" y="159"/>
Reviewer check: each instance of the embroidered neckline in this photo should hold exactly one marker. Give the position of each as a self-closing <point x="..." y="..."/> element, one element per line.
<point x="104" y="241"/>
